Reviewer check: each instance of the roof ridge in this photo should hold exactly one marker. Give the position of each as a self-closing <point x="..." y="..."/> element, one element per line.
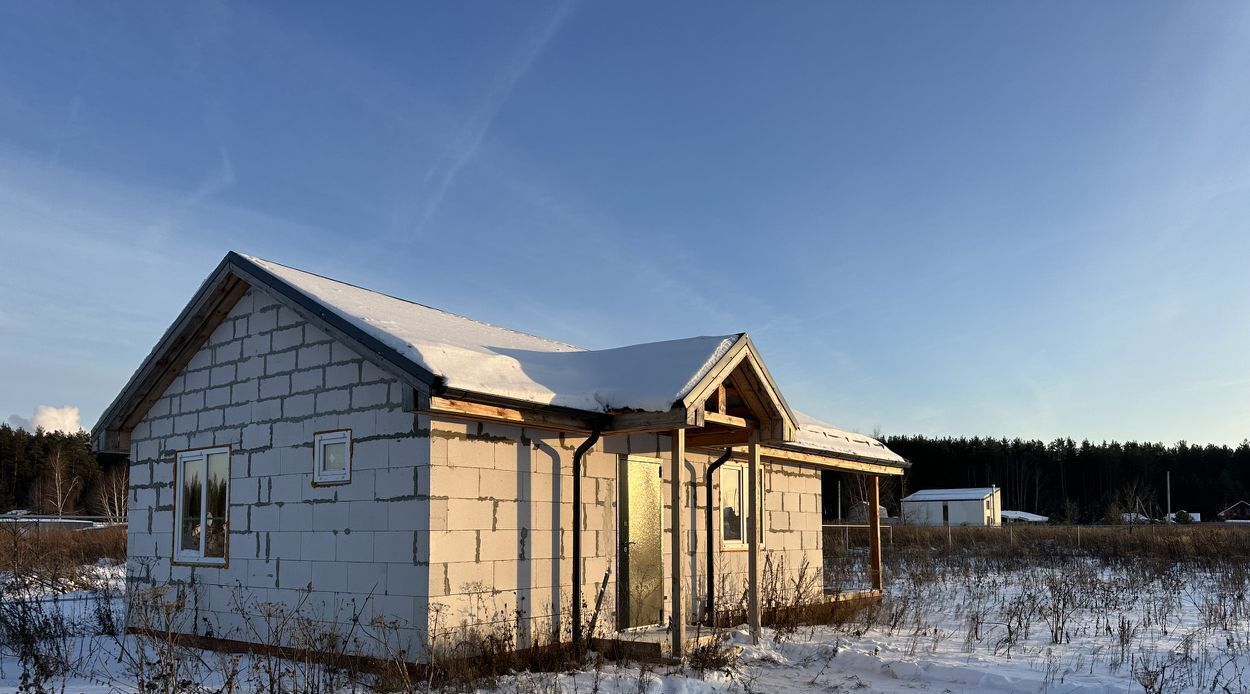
<point x="256" y="259"/>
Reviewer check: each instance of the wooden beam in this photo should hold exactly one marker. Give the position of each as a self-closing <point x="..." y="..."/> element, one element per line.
<point x="720" y="403"/>
<point x="636" y="422"/>
<point x="729" y="420"/>
<point x="874" y="533"/>
<point x="537" y="419"/>
<point x="678" y="558"/>
<point x="728" y="437"/>
<point x="830" y="461"/>
<point x="753" y="542"/>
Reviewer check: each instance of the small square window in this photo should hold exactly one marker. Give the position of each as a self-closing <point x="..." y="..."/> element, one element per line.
<point x="332" y="457"/>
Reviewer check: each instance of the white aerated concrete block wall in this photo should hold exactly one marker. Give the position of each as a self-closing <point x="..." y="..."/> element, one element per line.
<point x="263" y="384"/>
<point x="501" y="536"/>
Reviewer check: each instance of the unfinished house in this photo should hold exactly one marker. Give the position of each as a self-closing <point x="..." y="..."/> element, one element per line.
<point x="302" y="442"/>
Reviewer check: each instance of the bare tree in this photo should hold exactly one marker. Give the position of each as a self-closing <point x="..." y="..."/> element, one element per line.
<point x="112" y="493"/>
<point x="60" y="485"/>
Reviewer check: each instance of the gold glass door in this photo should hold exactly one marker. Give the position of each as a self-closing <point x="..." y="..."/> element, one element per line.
<point x="640" y="587"/>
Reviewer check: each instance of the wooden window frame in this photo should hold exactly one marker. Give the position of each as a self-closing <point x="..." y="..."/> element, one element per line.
<point x="320" y="477"/>
<point x="743" y="499"/>
<point x="178" y="556"/>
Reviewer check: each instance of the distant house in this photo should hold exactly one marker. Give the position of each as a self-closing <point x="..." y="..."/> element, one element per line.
<point x="304" y="441"/>
<point x="981" y="506"/>
<point x="1237" y="513"/>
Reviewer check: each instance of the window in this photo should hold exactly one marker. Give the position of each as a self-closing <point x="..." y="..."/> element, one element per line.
<point x="946" y="513"/>
<point x="200" y="507"/>
<point x="989" y="505"/>
<point x="733" y="524"/>
<point x="733" y="504"/>
<point x="332" y="457"/>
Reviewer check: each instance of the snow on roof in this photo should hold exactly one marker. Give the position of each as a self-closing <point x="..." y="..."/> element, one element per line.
<point x="1024" y="516"/>
<point x="483" y="358"/>
<point x="813" y="433"/>
<point x="965" y="494"/>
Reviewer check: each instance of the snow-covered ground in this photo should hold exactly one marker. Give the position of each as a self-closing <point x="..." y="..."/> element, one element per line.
<point x="964" y="625"/>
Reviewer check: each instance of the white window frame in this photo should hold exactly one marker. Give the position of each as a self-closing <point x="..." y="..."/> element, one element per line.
<point x="185" y="556"/>
<point x="323" y="477"/>
<point x="743" y="499"/>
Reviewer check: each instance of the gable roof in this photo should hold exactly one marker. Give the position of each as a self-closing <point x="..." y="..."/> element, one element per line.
<point x="965" y="494"/>
<point x="472" y="356"/>
<point x="440" y="352"/>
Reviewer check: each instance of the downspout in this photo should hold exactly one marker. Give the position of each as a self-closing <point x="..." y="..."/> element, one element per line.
<point x="710" y="613"/>
<point x="577" y="534"/>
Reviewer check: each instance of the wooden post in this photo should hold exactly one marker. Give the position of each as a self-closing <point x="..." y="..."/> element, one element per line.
<point x="753" y="542"/>
<point x="678" y="560"/>
<point x="874" y="533"/>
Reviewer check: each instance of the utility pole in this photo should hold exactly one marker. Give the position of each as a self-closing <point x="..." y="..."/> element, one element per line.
<point x="1168" y="517"/>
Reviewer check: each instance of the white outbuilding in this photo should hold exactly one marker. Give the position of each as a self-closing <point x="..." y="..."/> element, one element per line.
<point x="981" y="506"/>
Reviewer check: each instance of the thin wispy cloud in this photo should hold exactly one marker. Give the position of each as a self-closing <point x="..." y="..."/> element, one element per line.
<point x="464" y="147"/>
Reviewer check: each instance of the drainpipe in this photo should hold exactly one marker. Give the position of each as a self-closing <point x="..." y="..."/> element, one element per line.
<point x="710" y="614"/>
<point x="577" y="535"/>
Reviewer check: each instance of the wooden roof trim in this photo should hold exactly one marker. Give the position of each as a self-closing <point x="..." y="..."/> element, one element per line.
<point x="830" y="462"/>
<point x="744" y="351"/>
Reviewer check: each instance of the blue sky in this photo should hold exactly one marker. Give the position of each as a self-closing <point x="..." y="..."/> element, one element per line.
<point x="1021" y="219"/>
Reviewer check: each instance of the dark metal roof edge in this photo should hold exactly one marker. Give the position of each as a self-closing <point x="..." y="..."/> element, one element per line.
<point x="321" y="313"/>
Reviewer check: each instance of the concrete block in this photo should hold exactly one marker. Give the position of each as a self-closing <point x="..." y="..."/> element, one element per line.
<point x="366" y="515"/>
<point x="287" y="488"/>
<point x="195" y="380"/>
<point x="217" y="397"/>
<point x="454" y="482"/>
<point x="238" y="414"/>
<point x="356" y="546"/>
<point x="210" y="419"/>
<point x="294" y="574"/>
<point x="407" y="515"/>
<point x="333" y="401"/>
<point x="255" y="345"/>
<point x="287" y="434"/>
<point x="263" y="321"/>
<point x="470" y="577"/>
<point x="185" y="423"/>
<point x="317" y="545"/>
<point x="329" y="576"/>
<point x="228" y="352"/>
<point x="329" y="517"/>
<point x="264" y="463"/>
<point x="453" y="545"/>
<point x="340" y="352"/>
<point x="361" y="488"/>
<point x="279" y="362"/>
<point x="370" y="372"/>
<point x="394" y="421"/>
<point x="267" y="410"/>
<point x="406" y="579"/>
<point x="256" y="436"/>
<point x="339" y="375"/>
<point x="264" y="518"/>
<point x="395" y="482"/>
<point x="498" y="545"/>
<point x="393" y="546"/>
<point x="284" y="545"/>
<point x="275" y="386"/>
<point x="244" y="392"/>
<point x="373" y="455"/>
<point x="497" y="484"/>
<point x="314" y="355"/>
<point x="222" y="375"/>
<point x="307" y="380"/>
<point x="287" y="338"/>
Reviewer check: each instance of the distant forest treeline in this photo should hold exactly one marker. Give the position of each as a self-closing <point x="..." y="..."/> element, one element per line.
<point x="56" y="473"/>
<point x="1081" y="482"/>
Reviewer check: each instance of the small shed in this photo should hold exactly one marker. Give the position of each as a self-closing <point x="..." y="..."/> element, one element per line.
<point x="978" y="506"/>
<point x="1023" y="517"/>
